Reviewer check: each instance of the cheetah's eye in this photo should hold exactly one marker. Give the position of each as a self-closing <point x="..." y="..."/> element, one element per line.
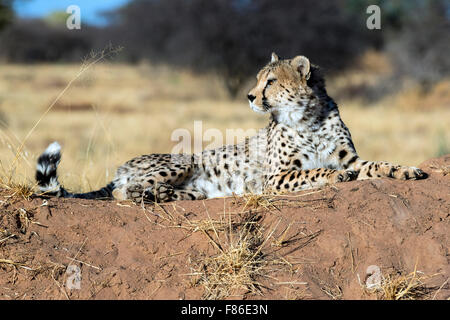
<point x="270" y="81"/>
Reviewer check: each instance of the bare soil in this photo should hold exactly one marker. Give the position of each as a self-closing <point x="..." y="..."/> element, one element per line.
<point x="315" y="244"/>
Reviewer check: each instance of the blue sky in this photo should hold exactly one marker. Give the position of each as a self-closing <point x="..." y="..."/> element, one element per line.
<point x="90" y="9"/>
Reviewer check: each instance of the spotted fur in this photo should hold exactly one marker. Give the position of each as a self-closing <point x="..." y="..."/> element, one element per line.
<point x="305" y="145"/>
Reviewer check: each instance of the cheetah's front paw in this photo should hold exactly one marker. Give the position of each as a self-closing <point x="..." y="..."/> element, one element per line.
<point x="344" y="175"/>
<point x="134" y="192"/>
<point x="163" y="191"/>
<point x="407" y="173"/>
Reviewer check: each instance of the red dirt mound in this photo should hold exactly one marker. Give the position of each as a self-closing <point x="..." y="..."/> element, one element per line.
<point x="357" y="240"/>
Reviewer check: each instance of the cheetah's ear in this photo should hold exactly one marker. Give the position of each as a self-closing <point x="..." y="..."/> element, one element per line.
<point x="302" y="65"/>
<point x="274" y="57"/>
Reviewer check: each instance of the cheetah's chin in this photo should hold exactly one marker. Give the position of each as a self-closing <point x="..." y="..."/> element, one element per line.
<point x="257" y="109"/>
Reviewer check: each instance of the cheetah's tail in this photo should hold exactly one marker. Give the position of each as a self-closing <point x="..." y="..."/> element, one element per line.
<point x="47" y="177"/>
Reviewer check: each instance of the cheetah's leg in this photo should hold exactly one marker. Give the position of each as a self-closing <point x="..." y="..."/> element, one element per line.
<point x="162" y="192"/>
<point x="187" y="194"/>
<point x="296" y="180"/>
<point x="154" y="178"/>
<point x="378" y="169"/>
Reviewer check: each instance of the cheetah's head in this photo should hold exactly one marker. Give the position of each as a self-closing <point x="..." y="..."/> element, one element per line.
<point x="286" y="86"/>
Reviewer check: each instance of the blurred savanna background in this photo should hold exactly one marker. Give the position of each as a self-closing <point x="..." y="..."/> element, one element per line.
<point x="137" y="70"/>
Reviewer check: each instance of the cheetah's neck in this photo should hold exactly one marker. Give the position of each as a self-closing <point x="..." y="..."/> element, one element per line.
<point x="306" y="117"/>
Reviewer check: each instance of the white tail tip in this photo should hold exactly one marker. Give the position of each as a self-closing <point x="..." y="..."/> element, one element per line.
<point x="53" y="148"/>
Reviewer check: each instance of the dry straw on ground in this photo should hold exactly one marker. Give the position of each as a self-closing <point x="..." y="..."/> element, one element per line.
<point x="401" y="286"/>
<point x="238" y="265"/>
<point x="246" y="253"/>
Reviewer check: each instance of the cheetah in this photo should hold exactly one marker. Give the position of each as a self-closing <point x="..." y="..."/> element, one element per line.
<point x="305" y="145"/>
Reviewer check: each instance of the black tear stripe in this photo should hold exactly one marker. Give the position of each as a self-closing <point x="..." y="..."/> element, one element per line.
<point x="264" y="99"/>
<point x="349" y="162"/>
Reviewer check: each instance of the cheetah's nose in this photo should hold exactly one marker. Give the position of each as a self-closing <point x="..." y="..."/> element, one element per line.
<point x="251" y="97"/>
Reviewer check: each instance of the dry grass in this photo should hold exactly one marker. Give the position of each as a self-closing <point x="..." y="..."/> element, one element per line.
<point x="404" y="287"/>
<point x="414" y="98"/>
<point x="10" y="262"/>
<point x="12" y="185"/>
<point x="239" y="264"/>
<point x="271" y="202"/>
<point x="246" y="253"/>
<point x="243" y="255"/>
<point x="244" y="259"/>
<point x="8" y="175"/>
<point x="255" y="201"/>
<point x="15" y="190"/>
<point x="398" y="286"/>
